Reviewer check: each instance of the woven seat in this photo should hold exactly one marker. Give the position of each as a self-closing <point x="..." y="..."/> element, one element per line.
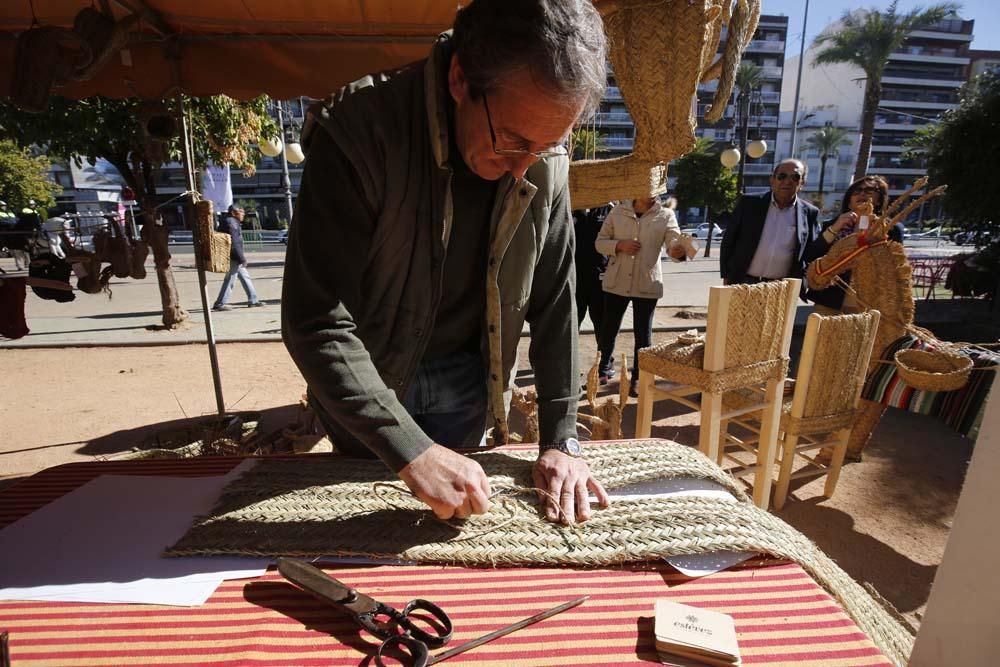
<point x="822" y="409"/>
<point x="746" y="345"/>
<point x="214" y="246"/>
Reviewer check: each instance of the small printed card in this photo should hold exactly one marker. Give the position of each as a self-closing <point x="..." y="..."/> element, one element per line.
<point x="688" y="635"/>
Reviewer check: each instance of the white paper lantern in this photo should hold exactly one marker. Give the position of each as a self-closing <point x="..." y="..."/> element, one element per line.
<point x="293" y="153"/>
<point x="730" y="157"/>
<point x="757" y="148"/>
<point x="270" y="147"/>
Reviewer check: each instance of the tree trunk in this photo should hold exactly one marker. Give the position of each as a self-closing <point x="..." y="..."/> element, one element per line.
<point x="822" y="177"/>
<point x="873" y="95"/>
<point x="154" y="233"/>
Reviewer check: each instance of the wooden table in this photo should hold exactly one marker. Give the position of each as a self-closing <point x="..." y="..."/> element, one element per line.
<point x="782" y="617"/>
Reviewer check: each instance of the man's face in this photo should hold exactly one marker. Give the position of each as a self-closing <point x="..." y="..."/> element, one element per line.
<point x="786" y="181"/>
<point x="523" y="118"/>
<point x="239" y="214"/>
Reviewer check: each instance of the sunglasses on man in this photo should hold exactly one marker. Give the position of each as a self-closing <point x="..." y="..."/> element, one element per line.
<point x="782" y="175"/>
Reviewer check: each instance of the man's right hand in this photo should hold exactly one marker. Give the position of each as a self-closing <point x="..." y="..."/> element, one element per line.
<point x="628" y="247"/>
<point x="451" y="484"/>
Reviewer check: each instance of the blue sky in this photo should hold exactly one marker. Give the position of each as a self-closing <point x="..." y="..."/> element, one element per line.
<point x="986" y="31"/>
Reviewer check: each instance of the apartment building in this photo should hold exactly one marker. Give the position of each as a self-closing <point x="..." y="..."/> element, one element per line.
<point x="920" y="82"/>
<point x="767" y="49"/>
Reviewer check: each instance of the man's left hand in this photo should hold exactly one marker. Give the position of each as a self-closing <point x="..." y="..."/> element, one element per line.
<point x="569" y="480"/>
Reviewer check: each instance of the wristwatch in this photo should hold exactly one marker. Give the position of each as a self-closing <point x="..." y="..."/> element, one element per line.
<point x="569" y="446"/>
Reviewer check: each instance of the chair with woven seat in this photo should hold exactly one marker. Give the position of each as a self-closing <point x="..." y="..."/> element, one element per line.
<point x="821" y="410"/>
<point x="746" y="345"/>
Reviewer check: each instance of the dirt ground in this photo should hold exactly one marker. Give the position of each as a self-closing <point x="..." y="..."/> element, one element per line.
<point x="887" y="525"/>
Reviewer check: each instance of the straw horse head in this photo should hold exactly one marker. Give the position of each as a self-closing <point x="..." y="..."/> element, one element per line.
<point x="881" y="277"/>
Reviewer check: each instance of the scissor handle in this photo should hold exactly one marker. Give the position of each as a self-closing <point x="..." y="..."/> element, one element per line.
<point x="442" y="627"/>
<point x="416" y="648"/>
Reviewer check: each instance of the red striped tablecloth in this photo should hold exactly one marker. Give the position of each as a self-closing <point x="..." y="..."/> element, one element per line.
<point x="782" y="617"/>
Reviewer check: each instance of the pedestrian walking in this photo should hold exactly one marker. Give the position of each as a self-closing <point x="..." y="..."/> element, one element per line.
<point x="237" y="263"/>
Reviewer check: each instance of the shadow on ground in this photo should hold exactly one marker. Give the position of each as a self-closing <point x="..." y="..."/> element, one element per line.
<point x="121" y="442"/>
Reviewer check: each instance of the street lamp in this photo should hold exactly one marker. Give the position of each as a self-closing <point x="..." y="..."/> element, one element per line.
<point x="749" y="103"/>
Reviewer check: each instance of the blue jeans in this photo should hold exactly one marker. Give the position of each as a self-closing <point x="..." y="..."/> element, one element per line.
<point x="236" y="269"/>
<point x="447" y="399"/>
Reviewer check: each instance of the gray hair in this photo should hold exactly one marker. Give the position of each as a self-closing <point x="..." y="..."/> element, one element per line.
<point x="792" y="160"/>
<point x="560" y="42"/>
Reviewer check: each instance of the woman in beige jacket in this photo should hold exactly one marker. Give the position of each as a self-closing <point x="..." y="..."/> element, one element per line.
<point x="632" y="236"/>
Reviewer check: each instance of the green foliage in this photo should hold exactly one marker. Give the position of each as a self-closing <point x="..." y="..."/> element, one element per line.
<point x="866" y="38"/>
<point x="585" y="143"/>
<point x="827" y="140"/>
<point x="24" y="177"/>
<point x="748" y="77"/>
<point x="960" y="152"/>
<point x="703" y="181"/>
<point x="247" y="204"/>
<point x="223" y="130"/>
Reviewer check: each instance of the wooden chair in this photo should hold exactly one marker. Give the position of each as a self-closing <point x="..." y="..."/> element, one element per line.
<point x="822" y="409"/>
<point x="746" y="345"/>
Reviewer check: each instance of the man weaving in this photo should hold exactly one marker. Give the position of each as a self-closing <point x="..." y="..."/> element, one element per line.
<point x="433" y="221"/>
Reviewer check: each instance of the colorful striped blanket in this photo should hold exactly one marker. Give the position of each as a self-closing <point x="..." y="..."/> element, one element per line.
<point x="960" y="409"/>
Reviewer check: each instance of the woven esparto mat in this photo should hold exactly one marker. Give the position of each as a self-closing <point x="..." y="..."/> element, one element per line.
<point x="349" y="507"/>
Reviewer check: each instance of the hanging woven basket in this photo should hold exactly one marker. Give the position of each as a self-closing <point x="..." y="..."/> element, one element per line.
<point x="933" y="370"/>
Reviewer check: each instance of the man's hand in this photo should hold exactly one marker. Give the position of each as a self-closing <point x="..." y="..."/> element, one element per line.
<point x="451" y="484"/>
<point x="628" y="247"/>
<point x="568" y="479"/>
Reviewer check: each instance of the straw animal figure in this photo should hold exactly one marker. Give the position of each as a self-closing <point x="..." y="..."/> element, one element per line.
<point x="524" y="400"/>
<point x="661" y="50"/>
<point x="606" y="421"/>
<point x="882" y="279"/>
<point x="880" y="273"/>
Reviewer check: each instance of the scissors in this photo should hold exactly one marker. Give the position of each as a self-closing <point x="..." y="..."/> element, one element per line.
<point x="397" y="629"/>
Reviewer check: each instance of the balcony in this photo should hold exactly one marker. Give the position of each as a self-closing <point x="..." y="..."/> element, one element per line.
<point x="618" y="143"/>
<point x="758" y="169"/>
<point x="918" y="79"/>
<point x="770" y="72"/>
<point x="613" y="118"/>
<point x="919" y="104"/>
<point x="935" y="34"/>
<point x="766" y="46"/>
<point x="770" y="98"/>
<point x="929" y="58"/>
<point x="613" y="93"/>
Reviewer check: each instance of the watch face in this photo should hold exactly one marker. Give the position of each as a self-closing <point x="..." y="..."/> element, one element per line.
<point x="573" y="447"/>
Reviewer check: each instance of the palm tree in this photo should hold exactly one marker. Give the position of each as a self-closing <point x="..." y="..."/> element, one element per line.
<point x="826" y="141"/>
<point x="584" y="143"/>
<point x="866" y="39"/>
<point x="748" y="79"/>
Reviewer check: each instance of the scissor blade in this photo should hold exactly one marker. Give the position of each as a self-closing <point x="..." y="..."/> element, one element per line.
<point x="326" y="588"/>
<point x="514" y="627"/>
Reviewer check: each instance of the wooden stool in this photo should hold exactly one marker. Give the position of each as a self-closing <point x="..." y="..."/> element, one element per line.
<point x="746" y="345"/>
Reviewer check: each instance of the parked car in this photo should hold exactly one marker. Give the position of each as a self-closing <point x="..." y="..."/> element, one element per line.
<point x="283" y="236"/>
<point x="701" y="231"/>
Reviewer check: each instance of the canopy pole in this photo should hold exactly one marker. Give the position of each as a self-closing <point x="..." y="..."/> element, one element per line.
<point x="198" y="260"/>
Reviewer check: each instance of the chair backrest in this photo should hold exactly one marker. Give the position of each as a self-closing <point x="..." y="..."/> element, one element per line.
<point x="833" y="364"/>
<point x="748" y="324"/>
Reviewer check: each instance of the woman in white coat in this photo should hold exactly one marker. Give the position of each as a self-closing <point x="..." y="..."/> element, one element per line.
<point x="632" y="237"/>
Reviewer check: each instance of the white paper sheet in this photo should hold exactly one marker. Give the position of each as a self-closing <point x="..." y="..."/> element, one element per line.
<point x="104" y="541"/>
<point x="698" y="565"/>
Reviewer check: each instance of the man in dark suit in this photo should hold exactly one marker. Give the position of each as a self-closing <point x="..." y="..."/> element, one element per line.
<point x="768" y="234"/>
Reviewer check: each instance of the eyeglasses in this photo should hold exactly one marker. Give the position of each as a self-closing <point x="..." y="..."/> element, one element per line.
<point x="554" y="151"/>
<point x="782" y="175"/>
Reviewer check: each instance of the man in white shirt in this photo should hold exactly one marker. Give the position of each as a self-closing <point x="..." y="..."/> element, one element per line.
<point x="769" y="234"/>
